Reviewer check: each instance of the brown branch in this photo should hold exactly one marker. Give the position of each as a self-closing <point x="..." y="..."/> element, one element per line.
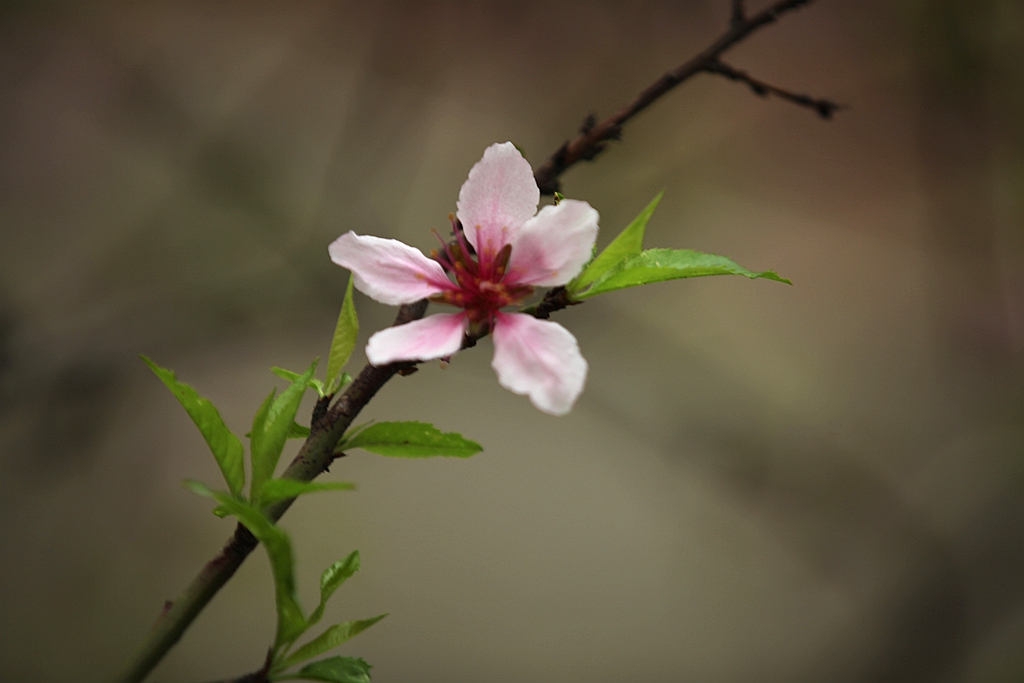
<point x="824" y="107"/>
<point x="554" y="300"/>
<point x="739" y="13"/>
<point x="262" y="675"/>
<point x="314" y="457"/>
<point x="595" y="134"/>
<point x="329" y="422"/>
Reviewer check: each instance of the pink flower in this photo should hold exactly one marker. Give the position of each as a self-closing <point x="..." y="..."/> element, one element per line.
<point x="516" y="249"/>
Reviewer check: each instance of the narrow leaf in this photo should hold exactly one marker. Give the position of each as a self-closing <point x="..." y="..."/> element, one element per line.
<point x="226" y="448"/>
<point x="202" y="489"/>
<point x="329" y="639"/>
<point x="198" y="488"/>
<point x="313" y="382"/>
<point x="268" y="442"/>
<point x="285" y="374"/>
<point x="281" y="489"/>
<point x="411" y="440"/>
<point x="297" y="431"/>
<point x="351" y="434"/>
<point x="334" y="576"/>
<point x="345" y="333"/>
<point x="290" y="620"/>
<point x="339" y="383"/>
<point x="257" y="439"/>
<point x="629" y="243"/>
<point x="333" y="670"/>
<point x="659" y="265"/>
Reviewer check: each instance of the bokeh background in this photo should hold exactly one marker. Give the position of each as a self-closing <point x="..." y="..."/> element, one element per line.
<point x="762" y="483"/>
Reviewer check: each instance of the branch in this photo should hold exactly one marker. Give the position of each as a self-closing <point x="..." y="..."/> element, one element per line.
<point x="329" y="423"/>
<point x="555" y="299"/>
<point x="593" y="135"/>
<point x="739" y="13"/>
<point x="824" y="107"/>
<point x="314" y="457"/>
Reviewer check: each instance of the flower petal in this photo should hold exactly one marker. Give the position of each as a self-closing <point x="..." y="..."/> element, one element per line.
<point x="538" y="358"/>
<point x="432" y="337"/>
<point x="387" y="270"/>
<point x="553" y="246"/>
<point x="498" y="197"/>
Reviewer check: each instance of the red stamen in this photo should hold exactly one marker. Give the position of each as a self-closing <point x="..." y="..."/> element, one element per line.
<point x="448" y="254"/>
<point x="478" y="275"/>
<point x="501" y="262"/>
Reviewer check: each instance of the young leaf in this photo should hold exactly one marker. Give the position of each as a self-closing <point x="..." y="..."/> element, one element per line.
<point x="290" y="620"/>
<point x="285" y="374"/>
<point x="226" y="447"/>
<point x="297" y="431"/>
<point x="332" y="670"/>
<point x="328" y="640"/>
<point x="345" y="333"/>
<point x="268" y="438"/>
<point x="411" y="440"/>
<point x="629" y="243"/>
<point x="274" y="490"/>
<point x="197" y="487"/>
<point x="313" y="382"/>
<point x="659" y="265"/>
<point x="257" y="438"/>
<point x="349" y="435"/>
<point x="339" y="383"/>
<point x="334" y="576"/>
<point x="201" y="489"/>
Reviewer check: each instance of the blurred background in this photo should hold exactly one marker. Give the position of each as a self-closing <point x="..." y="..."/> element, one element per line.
<point x="762" y="483"/>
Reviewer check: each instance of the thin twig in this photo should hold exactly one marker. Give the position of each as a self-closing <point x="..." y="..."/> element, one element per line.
<point x="555" y="299"/>
<point x="739" y="13"/>
<point x="824" y="107"/>
<point x="330" y="421"/>
<point x="314" y="457"/>
<point x="594" y="134"/>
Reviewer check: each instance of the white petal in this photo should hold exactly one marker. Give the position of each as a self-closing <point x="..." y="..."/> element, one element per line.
<point x="498" y="197"/>
<point x="435" y="336"/>
<point x="538" y="358"/>
<point x="553" y="246"/>
<point x="387" y="270"/>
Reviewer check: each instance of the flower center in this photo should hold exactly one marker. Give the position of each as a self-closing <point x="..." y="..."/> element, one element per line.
<point x="480" y="287"/>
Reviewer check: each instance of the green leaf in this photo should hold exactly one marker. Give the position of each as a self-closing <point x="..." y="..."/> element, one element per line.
<point x="345" y="333"/>
<point x="257" y="438"/>
<point x="290" y="622"/>
<point x="342" y="380"/>
<point x="198" y="487"/>
<point x="313" y="382"/>
<point x="629" y="243"/>
<point x="411" y="440"/>
<point x="659" y="265"/>
<point x="268" y="437"/>
<point x="226" y="447"/>
<point x="334" y="576"/>
<point x="274" y="490"/>
<point x="328" y="640"/>
<point x="349" y="436"/>
<point x="333" y="670"/>
<point x="297" y="431"/>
